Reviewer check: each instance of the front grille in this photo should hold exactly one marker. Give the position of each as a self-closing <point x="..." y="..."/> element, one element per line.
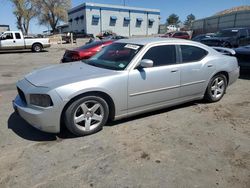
<point x="21" y="94"/>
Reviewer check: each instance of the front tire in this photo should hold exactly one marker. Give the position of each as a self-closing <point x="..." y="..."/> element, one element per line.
<point x="216" y="88"/>
<point x="86" y="115"/>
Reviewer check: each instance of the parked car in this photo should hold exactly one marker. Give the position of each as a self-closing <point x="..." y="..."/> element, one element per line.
<point x="67" y="37"/>
<point x="230" y="38"/>
<point x="14" y="40"/>
<point x="84" y="52"/>
<point x="105" y="34"/>
<point x="243" y="56"/>
<point x="128" y="77"/>
<point x="114" y="37"/>
<point x="172" y="28"/>
<point x="177" y="34"/>
<point x="200" y="37"/>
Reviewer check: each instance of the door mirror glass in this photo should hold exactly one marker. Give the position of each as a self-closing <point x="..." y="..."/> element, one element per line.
<point x="145" y="63"/>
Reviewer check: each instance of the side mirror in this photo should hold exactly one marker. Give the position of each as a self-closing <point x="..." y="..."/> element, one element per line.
<point x="145" y="63"/>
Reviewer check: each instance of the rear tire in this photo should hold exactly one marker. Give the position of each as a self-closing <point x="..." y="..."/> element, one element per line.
<point x="216" y="88"/>
<point x="86" y="115"/>
<point x="37" y="48"/>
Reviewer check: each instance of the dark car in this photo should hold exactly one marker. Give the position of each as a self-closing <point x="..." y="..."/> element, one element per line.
<point x="200" y="37"/>
<point x="229" y="38"/>
<point x="85" y="52"/>
<point x="243" y="56"/>
<point x="177" y="34"/>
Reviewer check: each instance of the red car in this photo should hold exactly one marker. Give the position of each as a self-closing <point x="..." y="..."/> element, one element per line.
<point x="84" y="52"/>
<point x="178" y="34"/>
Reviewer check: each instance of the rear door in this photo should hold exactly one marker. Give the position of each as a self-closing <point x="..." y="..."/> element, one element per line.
<point x="194" y="70"/>
<point x="243" y="37"/>
<point x="153" y="86"/>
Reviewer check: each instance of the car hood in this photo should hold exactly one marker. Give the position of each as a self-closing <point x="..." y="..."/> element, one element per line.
<point x="67" y="73"/>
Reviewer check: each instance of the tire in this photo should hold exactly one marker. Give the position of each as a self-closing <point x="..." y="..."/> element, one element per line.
<point x="37" y="48"/>
<point x="216" y="88"/>
<point x="86" y="115"/>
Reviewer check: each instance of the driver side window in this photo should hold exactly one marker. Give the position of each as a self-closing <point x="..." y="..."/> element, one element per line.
<point x="161" y="55"/>
<point x="7" y="36"/>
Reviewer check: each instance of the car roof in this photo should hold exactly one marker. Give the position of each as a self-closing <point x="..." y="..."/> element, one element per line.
<point x="144" y="41"/>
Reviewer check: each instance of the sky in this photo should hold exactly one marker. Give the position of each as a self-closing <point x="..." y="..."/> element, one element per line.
<point x="200" y="8"/>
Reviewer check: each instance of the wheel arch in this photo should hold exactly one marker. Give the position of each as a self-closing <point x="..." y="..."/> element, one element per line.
<point x="225" y="73"/>
<point x="101" y="94"/>
<point x="37" y="43"/>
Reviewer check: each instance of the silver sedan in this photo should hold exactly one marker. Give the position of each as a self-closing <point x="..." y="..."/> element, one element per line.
<point x="129" y="77"/>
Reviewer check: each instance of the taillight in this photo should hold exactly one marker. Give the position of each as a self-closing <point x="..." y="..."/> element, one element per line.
<point x="75" y="56"/>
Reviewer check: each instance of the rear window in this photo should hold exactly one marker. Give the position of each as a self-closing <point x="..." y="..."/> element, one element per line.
<point x="91" y="45"/>
<point x="192" y="53"/>
<point x="17" y="35"/>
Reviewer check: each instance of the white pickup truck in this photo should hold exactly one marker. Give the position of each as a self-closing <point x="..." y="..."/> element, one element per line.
<point x="14" y="40"/>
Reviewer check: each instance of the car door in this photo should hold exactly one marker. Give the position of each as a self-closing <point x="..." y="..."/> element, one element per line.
<point x="19" y="42"/>
<point x="242" y="37"/>
<point x="194" y="70"/>
<point x="153" y="86"/>
<point x="7" y="41"/>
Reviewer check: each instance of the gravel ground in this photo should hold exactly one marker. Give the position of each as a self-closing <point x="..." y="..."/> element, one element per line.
<point x="192" y="145"/>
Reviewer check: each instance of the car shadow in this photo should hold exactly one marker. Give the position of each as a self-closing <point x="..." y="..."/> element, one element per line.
<point x="21" y="52"/>
<point x="26" y="131"/>
<point x="157" y="112"/>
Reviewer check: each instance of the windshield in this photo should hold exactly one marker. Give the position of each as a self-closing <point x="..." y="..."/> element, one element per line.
<point x="115" y="56"/>
<point x="227" y="33"/>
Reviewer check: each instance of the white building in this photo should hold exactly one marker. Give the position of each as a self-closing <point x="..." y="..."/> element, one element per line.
<point x="94" y="18"/>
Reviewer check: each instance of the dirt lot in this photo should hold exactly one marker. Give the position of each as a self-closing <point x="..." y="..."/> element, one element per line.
<point x="192" y="145"/>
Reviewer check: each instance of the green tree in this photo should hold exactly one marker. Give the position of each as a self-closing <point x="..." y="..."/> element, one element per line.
<point x="51" y="12"/>
<point x="189" y="21"/>
<point x="173" y="19"/>
<point x="24" y="11"/>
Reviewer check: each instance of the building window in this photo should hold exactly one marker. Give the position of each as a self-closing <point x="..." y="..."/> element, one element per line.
<point x="95" y="19"/>
<point x="112" y="20"/>
<point x="150" y="22"/>
<point x="126" y="21"/>
<point x="138" y="22"/>
<point x="76" y="19"/>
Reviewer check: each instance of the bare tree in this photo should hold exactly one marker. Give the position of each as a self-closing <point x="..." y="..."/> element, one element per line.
<point x="51" y="12"/>
<point x="24" y="11"/>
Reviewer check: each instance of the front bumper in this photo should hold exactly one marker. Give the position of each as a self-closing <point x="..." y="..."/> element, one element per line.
<point x="44" y="120"/>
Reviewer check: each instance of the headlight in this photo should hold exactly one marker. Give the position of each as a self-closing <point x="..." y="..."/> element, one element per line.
<point x="42" y="100"/>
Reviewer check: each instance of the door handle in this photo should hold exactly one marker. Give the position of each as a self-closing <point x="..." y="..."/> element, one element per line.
<point x="210" y="65"/>
<point x="174" y="70"/>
